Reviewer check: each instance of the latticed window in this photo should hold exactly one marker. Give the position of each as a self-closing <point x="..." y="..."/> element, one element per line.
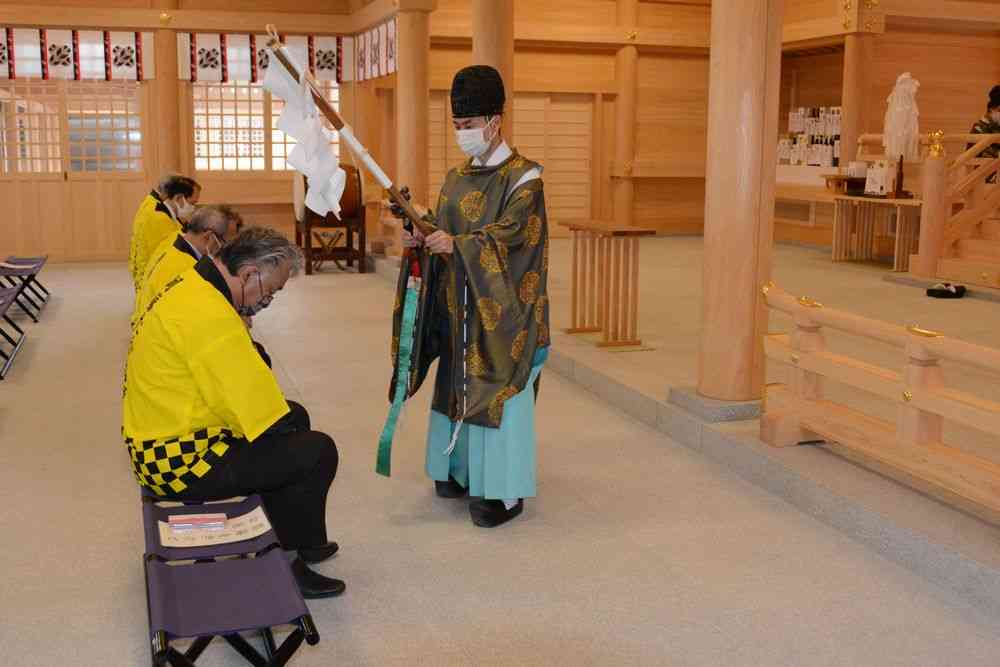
<point x="31" y="137"/>
<point x="76" y="126"/>
<point x="105" y="126"/>
<point x="235" y="127"/>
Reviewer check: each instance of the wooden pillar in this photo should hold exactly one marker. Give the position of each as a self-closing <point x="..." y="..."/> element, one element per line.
<point x="412" y="106"/>
<point x="493" y="45"/>
<point x="933" y="214"/>
<point x="167" y="99"/>
<point x="857" y="62"/>
<point x="626" y="80"/>
<point x="739" y="195"/>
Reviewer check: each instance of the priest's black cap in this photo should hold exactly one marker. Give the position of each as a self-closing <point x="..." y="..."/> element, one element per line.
<point x="477" y="91"/>
<point x="994" y="97"/>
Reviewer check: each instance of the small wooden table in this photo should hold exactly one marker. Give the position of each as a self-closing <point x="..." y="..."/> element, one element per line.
<point x="858" y="221"/>
<point x="605" y="291"/>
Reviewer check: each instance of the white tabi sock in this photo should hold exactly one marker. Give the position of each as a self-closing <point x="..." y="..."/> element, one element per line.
<point x="510" y="504"/>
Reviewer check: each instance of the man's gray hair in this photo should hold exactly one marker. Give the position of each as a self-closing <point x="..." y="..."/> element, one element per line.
<point x="216" y="219"/>
<point x="262" y="247"/>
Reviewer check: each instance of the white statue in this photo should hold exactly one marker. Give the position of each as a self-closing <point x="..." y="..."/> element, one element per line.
<point x="902" y="121"/>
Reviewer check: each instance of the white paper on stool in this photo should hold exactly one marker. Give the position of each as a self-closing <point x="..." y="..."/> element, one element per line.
<point x="245" y="527"/>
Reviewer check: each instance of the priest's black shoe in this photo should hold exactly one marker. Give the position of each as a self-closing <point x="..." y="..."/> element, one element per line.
<point x="314" y="585"/>
<point x="450" y="489"/>
<point x="319" y="554"/>
<point x="492" y="513"/>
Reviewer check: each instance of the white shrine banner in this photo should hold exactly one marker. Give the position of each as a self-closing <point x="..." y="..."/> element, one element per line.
<point x="90" y="49"/>
<point x="390" y="46"/>
<point x="374" y="59"/>
<point x="239" y="58"/>
<point x="326" y="61"/>
<point x="60" y="53"/>
<point x="383" y="50"/>
<point x="75" y="54"/>
<point x="206" y="55"/>
<point x="360" y="51"/>
<point x="242" y="57"/>
<point x="258" y="44"/>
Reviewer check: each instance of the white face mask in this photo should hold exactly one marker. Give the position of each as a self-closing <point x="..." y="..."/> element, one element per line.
<point x="473" y="142"/>
<point x="185" y="210"/>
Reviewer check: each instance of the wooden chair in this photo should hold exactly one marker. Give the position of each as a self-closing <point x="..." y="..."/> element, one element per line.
<point x="318" y="246"/>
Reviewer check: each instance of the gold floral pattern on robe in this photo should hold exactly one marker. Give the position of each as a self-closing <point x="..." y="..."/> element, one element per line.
<point x="473" y="206"/>
<point x="490" y="311"/>
<point x="483" y="310"/>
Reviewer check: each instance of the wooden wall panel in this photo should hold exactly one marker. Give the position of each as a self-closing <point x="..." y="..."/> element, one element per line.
<point x="297" y="7"/>
<point x="457" y="14"/>
<point x="535" y="71"/>
<point x="671" y="205"/>
<point x="810" y="81"/>
<point x="672" y="111"/>
<point x="955" y="70"/>
<point x="691" y="17"/>
<point x="797" y="11"/>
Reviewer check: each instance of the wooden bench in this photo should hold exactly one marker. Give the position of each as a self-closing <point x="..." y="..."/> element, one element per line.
<point x="605" y="288"/>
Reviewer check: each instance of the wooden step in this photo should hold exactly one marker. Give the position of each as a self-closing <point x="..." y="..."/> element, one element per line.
<point x="979" y="250"/>
<point x="969" y="272"/>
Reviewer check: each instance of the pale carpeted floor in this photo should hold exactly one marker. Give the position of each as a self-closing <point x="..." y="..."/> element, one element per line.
<point x="637" y="551"/>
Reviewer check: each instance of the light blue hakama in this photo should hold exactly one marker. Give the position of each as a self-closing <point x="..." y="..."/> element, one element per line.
<point x="492" y="463"/>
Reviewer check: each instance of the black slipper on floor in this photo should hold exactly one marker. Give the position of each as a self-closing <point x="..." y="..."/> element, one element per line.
<point x="493" y="513"/>
<point x="946" y="291"/>
<point x="450" y="489"/>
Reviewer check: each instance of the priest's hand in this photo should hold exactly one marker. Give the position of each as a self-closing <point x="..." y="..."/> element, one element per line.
<point x="414" y="240"/>
<point x="440" y="243"/>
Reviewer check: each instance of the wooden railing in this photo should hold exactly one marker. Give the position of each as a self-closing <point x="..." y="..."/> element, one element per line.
<point x="911" y="450"/>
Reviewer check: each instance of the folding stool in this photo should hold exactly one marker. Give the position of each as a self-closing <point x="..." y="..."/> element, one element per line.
<point x="224" y="590"/>
<point x="8" y="296"/>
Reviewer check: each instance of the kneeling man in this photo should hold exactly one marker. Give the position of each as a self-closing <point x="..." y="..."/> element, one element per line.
<point x="204" y="417"/>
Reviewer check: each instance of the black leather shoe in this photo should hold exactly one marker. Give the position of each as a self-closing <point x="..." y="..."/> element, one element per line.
<point x="450" y="489"/>
<point x="315" y="555"/>
<point x="314" y="585"/>
<point x="492" y="513"/>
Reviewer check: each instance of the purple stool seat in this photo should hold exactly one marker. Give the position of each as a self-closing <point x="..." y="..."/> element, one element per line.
<point x="229" y="588"/>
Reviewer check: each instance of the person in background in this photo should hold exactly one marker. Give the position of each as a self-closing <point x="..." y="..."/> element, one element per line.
<point x="203" y="417"/>
<point x="161" y="214"/>
<point x="990" y="123"/>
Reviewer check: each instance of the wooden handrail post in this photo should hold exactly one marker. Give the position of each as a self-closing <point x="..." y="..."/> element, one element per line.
<point x="933" y="215"/>
<point x="922" y="373"/>
<point x="808" y="337"/>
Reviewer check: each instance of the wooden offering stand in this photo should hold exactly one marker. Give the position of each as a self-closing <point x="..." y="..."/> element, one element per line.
<point x="605" y="288"/>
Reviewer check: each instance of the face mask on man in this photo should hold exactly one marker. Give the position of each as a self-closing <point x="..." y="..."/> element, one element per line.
<point x="249" y="310"/>
<point x="474" y="141"/>
<point x="185" y="209"/>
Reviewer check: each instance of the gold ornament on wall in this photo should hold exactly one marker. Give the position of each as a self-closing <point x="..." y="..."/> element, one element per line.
<point x="937" y="144"/>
